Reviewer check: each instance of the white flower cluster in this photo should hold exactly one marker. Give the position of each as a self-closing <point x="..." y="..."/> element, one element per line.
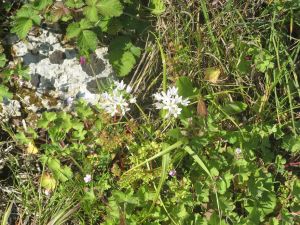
<point x="170" y="101"/>
<point x="117" y="101"/>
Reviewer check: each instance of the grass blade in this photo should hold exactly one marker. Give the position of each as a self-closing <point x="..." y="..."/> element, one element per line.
<point x="6" y="214"/>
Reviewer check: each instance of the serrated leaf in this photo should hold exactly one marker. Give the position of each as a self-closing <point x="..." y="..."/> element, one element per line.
<point x="110" y="8"/>
<point x="85" y="24"/>
<point x="47" y="118"/>
<point x="185" y="87"/>
<point x="110" y="25"/>
<point x="73" y="30"/>
<point x="47" y="181"/>
<point x="87" y="40"/>
<point x="91" y="13"/>
<point x="42" y="4"/>
<point x="4" y="93"/>
<point x="74" y="3"/>
<point x="122" y="55"/>
<point x="157" y="7"/>
<point x="22" y="27"/>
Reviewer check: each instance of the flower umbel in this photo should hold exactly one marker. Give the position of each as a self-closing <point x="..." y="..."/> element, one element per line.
<point x="116" y="102"/>
<point x="170" y="101"/>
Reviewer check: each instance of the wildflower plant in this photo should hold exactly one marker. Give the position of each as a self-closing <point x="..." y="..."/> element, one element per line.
<point x="116" y="101"/>
<point x="170" y="101"/>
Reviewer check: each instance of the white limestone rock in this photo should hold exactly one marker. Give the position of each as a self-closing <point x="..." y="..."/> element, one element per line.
<point x="10" y="108"/>
<point x="55" y="68"/>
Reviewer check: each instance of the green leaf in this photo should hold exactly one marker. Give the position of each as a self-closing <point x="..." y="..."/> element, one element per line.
<point x="123" y="55"/>
<point x="74" y="3"/>
<point x="73" y="30"/>
<point x="157" y="7"/>
<point x="83" y="110"/>
<point x="42" y="4"/>
<point x="3" y="60"/>
<point x="185" y="87"/>
<point x="110" y="25"/>
<point x="85" y="24"/>
<point x="87" y="40"/>
<point x="22" y="138"/>
<point x="291" y="144"/>
<point x="22" y="27"/>
<point x="91" y="13"/>
<point x="4" y="93"/>
<point x="62" y="173"/>
<point x="234" y="108"/>
<point x="47" y="118"/>
<point x="47" y="181"/>
<point x="110" y="8"/>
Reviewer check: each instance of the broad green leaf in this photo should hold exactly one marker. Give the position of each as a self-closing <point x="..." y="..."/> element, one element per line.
<point x="185" y="87"/>
<point x="4" y="93"/>
<point x="73" y="30"/>
<point x="122" y="55"/>
<point x="234" y="108"/>
<point x="85" y="24"/>
<point x="110" y="8"/>
<point x="42" y="4"/>
<point x="157" y="7"/>
<point x="87" y="40"/>
<point x="91" y="13"/>
<point x="22" y="27"/>
<point x="110" y="25"/>
<point x="47" y="181"/>
<point x="264" y="205"/>
<point x="25" y="12"/>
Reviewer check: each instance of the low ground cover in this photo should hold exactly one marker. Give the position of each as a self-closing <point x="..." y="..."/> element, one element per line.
<point x="199" y="124"/>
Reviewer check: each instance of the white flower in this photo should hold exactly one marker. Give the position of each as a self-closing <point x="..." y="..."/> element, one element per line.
<point x="120" y="85"/>
<point x="238" y="151"/>
<point x="117" y="101"/>
<point x="132" y="100"/>
<point x="170" y="101"/>
<point x="87" y="178"/>
<point x="47" y="192"/>
<point x="128" y="89"/>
